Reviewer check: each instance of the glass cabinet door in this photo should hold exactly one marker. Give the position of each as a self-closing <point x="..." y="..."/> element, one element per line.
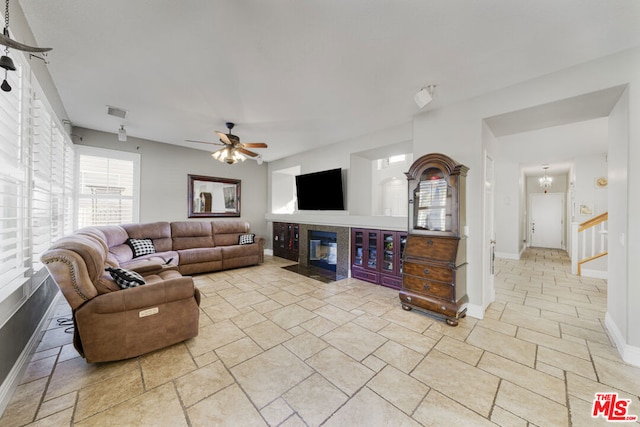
<point x="432" y="207"/>
<point x="403" y="242"/>
<point x="358" y="247"/>
<point x="372" y="250"/>
<point x="388" y="242"/>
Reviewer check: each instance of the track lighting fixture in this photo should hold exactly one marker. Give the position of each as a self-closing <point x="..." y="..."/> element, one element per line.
<point x="122" y="134"/>
<point x="424" y="96"/>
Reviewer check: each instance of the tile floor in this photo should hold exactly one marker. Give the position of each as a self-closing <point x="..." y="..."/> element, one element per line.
<point x="276" y="348"/>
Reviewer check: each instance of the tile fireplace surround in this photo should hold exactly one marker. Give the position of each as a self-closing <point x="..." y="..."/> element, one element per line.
<point x="342" y="238"/>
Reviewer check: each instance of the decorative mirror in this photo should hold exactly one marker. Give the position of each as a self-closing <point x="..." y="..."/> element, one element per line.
<point x="213" y="197"/>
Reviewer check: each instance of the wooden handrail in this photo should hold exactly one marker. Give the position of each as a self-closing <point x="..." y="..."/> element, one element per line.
<point x="593" y="221"/>
<point x="590" y="259"/>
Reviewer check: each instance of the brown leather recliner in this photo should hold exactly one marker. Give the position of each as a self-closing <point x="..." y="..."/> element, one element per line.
<point x="114" y="324"/>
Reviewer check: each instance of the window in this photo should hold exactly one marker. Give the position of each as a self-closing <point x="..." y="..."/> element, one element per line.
<point x="108" y="186"/>
<point x="36" y="185"/>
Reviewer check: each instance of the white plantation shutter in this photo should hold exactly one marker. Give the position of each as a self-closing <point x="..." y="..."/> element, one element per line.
<point x="108" y="186"/>
<point x="36" y="184"/>
<point x="14" y="184"/>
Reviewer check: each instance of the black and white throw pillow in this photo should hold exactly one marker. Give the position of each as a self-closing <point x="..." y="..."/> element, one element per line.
<point x="141" y="247"/>
<point x="125" y="278"/>
<point x="246" y="239"/>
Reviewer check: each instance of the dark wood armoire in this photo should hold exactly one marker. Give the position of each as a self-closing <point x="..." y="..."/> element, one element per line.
<point x="434" y="276"/>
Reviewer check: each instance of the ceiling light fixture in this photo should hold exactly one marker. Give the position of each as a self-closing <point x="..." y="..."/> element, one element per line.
<point x="424" y="96"/>
<point x="122" y="134"/>
<point x="228" y="155"/>
<point x="546" y="181"/>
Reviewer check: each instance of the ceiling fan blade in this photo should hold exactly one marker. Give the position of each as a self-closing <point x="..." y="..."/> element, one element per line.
<point x="254" y="144"/>
<point x="224" y="138"/>
<point x="204" y="142"/>
<point x="247" y="152"/>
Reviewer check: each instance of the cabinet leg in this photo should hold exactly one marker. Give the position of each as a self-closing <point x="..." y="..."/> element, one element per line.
<point x="406" y="307"/>
<point x="452" y="322"/>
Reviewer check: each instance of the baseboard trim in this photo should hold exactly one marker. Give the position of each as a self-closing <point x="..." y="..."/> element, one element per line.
<point x="597" y="274"/>
<point x="12" y="380"/>
<point x="475" y="311"/>
<point x="630" y="354"/>
<point x="507" y="255"/>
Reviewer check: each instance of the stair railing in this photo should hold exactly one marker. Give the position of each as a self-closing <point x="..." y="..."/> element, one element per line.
<point x="589" y="241"/>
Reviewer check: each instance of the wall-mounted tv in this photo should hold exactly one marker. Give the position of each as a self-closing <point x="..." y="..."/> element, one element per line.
<point x="320" y="191"/>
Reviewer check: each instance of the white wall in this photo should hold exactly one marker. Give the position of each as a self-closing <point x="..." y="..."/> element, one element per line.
<point x="163" y="178"/>
<point x="508" y="210"/>
<point x="586" y="170"/>
<point x="455" y="130"/>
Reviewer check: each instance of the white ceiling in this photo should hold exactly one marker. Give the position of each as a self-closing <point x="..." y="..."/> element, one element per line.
<point x="301" y="74"/>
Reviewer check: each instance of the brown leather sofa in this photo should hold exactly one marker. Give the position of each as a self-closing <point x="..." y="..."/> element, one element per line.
<point x="113" y="323"/>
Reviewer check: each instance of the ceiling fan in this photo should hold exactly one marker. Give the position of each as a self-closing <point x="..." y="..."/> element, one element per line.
<point x="233" y="150"/>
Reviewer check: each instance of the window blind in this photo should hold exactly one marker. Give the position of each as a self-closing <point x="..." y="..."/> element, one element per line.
<point x="108" y="183"/>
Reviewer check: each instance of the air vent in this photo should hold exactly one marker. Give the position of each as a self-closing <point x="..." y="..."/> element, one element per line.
<point x="116" y="112"/>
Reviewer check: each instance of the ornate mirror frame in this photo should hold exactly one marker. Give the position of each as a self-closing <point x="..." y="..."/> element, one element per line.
<point x="210" y="197"/>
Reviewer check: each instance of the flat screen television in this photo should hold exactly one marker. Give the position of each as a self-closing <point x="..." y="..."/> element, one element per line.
<point x="320" y="191"/>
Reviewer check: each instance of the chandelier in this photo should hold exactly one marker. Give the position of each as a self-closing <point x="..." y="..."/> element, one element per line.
<point x="228" y="155"/>
<point x="546" y="181"/>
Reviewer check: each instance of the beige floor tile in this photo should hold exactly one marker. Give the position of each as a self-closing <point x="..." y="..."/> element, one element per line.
<point x="62" y="418"/>
<point x="372" y="323"/>
<point x="284" y="298"/>
<point x="229" y="407"/>
<point x="619" y="375"/>
<point x="213" y="337"/>
<point x="24" y="403"/>
<point x="267" y="334"/>
<point x="374" y="363"/>
<point x="220" y="312"/>
<point x="311" y="303"/>
<point x="334" y="314"/>
<point x="246" y="299"/>
<point x="531" y="406"/>
<point x="566" y="362"/>
<point x="506" y="419"/>
<point x="368" y="409"/>
<point x="57" y="404"/>
<point x="414" y="320"/>
<point x="470" y="386"/>
<point x="529" y="378"/>
<point x="248" y="319"/>
<point x="290" y="316"/>
<point x="39" y="368"/>
<point x="238" y="351"/>
<point x="399" y="356"/>
<point x="581" y="415"/>
<point x="268" y="375"/>
<point x="293" y="421"/>
<point x="459" y="350"/>
<point x="398" y="388"/>
<point x="54" y="338"/>
<point x="569" y="347"/>
<point x="341" y="370"/>
<point x="374" y="308"/>
<point x="344" y="301"/>
<point x="75" y="374"/>
<point x="535" y="323"/>
<point x="319" y="326"/>
<point x="509" y="347"/>
<point x="108" y="393"/>
<point x="354" y="340"/>
<point x="165" y="365"/>
<point x="266" y="306"/>
<point x="276" y="412"/>
<point x="439" y="410"/>
<point x="305" y="345"/>
<point x="202" y="383"/>
<point x="572" y="320"/>
<point x="315" y="399"/>
<point x="586" y="334"/>
<point x="160" y="406"/>
<point x="408" y="338"/>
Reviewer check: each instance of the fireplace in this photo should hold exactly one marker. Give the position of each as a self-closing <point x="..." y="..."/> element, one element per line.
<point x="324" y="252"/>
<point x="323" y="249"/>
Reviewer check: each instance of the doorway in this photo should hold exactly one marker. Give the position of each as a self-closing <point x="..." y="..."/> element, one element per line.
<point x="546" y="222"/>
